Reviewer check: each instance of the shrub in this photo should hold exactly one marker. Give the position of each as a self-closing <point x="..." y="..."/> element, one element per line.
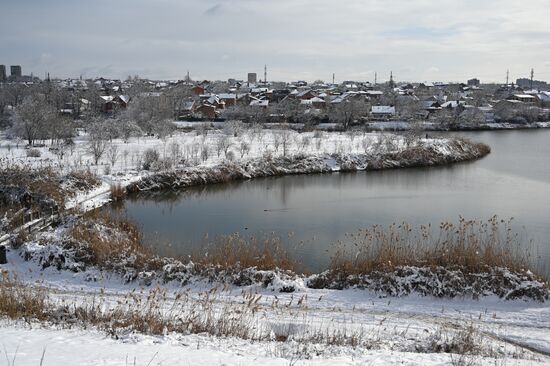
<point x="83" y="180"/>
<point x="110" y="241"/>
<point x="34" y="153"/>
<point x="230" y="155"/>
<point x="150" y="157"/>
<point x="161" y="164"/>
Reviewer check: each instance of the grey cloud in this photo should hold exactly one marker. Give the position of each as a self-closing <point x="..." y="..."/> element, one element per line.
<point x="214" y="10"/>
<point x="298" y="39"/>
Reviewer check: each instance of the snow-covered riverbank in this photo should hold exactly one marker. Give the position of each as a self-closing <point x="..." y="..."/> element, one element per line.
<point x="308" y="327"/>
<point x="277" y="320"/>
<point x="433" y="126"/>
<point x="196" y="157"/>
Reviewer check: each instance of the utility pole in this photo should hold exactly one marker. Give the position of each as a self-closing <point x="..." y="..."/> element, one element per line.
<point x="532" y="75"/>
<point x="507" y="76"/>
<point x="375" y="77"/>
<point x="265" y="74"/>
<point x="333" y="78"/>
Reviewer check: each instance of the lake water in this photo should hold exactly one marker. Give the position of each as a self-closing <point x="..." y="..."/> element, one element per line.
<point x="313" y="212"/>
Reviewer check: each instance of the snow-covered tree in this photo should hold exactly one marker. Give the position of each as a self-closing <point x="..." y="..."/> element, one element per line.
<point x="32" y="118"/>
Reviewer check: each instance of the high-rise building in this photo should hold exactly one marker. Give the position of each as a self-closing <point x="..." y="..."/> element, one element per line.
<point x="15" y="71"/>
<point x="3" y="75"/>
<point x="252" y="77"/>
<point x="474" y="82"/>
<point x="528" y="83"/>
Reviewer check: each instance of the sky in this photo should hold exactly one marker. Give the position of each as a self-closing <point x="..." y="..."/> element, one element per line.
<point x="417" y="40"/>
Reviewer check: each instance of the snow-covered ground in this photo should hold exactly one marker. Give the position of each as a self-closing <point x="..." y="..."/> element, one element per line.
<point x="122" y="161"/>
<point x="76" y="347"/>
<point x="186" y="148"/>
<point x="405" y="330"/>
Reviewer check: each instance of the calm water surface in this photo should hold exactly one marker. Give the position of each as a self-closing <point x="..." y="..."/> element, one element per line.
<point x="314" y="212"/>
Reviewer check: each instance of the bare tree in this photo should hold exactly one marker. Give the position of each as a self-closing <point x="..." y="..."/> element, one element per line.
<point x="472" y="117"/>
<point x="127" y="129"/>
<point x="175" y="152"/>
<point x="244" y="148"/>
<point x="409" y="108"/>
<point x="59" y="128"/>
<point x="113" y="154"/>
<point x="223" y="144"/>
<point x="32" y="118"/>
<point x="233" y="127"/>
<point x="286" y="139"/>
<point x="149" y="110"/>
<point x="97" y="144"/>
<point x="347" y="112"/>
<point x="277" y="138"/>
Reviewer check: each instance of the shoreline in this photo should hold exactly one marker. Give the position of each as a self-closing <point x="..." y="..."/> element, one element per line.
<point x="401" y="126"/>
<point x="442" y="152"/>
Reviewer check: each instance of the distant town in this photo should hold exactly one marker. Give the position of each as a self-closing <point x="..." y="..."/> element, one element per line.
<point x="302" y="104"/>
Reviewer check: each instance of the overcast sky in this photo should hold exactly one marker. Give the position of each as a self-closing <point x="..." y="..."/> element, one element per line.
<point x="419" y="40"/>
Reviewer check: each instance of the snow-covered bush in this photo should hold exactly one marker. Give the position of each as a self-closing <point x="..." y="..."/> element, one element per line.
<point x="150" y="157"/>
<point x="33" y="153"/>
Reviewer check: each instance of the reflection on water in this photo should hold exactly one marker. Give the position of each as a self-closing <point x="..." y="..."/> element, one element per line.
<point x="318" y="210"/>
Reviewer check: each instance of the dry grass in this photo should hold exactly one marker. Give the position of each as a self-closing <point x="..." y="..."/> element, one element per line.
<point x="473" y="246"/>
<point x="235" y="251"/>
<point x="117" y="192"/>
<point x="21" y="302"/>
<point x="158" y="312"/>
<point x="152" y="313"/>
<point x="83" y="180"/>
<point x="106" y="240"/>
<point x="41" y="181"/>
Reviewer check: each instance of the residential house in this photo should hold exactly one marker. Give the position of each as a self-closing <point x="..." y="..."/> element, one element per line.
<point x="262" y="103"/>
<point x="525" y="98"/>
<point x="382" y="112"/>
<point x="198" y="90"/>
<point x="544" y="99"/>
<point x="305" y="94"/>
<point x="185" y="109"/>
<point x="122" y="100"/>
<point x="107" y="103"/>
<point x="228" y="99"/>
<point x="207" y="111"/>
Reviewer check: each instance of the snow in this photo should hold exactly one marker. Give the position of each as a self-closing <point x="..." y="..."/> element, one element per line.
<point x="397" y="327"/>
<point x="127" y="169"/>
<point x="383" y="109"/>
<point x="93" y="348"/>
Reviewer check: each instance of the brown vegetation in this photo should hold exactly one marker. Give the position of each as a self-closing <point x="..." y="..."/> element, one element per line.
<point x="118" y="192"/>
<point x="83" y="180"/>
<point x="473" y="246"/>
<point x="21" y="302"/>
<point x="37" y="182"/>
<point x="235" y="251"/>
<point x="109" y="241"/>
